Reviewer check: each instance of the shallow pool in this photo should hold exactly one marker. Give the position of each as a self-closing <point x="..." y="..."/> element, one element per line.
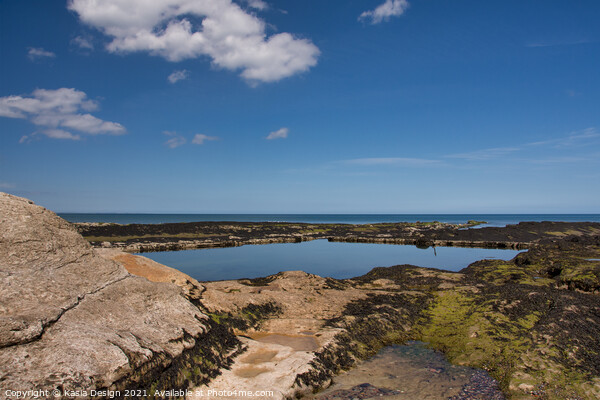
<point x="411" y="372"/>
<point x="320" y="257"/>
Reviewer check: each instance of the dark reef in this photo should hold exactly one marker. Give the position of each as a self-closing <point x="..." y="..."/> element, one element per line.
<point x="192" y="235"/>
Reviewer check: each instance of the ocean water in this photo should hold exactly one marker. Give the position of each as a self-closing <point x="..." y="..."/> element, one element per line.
<point x="491" y="219"/>
<point x="320" y="257"/>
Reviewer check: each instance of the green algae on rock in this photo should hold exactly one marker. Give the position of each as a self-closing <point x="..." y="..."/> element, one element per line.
<point x="529" y="322"/>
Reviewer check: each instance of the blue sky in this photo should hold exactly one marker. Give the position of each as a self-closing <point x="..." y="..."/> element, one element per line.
<point x="370" y="106"/>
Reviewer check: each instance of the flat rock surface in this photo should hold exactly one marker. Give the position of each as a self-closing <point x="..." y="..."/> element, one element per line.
<point x="154" y="272"/>
<point x="303" y="296"/>
<point x="285" y="344"/>
<point x="266" y="370"/>
<point x="46" y="269"/>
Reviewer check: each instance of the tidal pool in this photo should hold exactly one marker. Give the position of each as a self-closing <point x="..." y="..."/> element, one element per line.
<point x="320" y="257"/>
<point x="411" y="372"/>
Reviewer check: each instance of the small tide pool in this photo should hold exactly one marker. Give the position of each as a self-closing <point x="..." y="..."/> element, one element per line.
<point x="320" y="257"/>
<point x="411" y="372"/>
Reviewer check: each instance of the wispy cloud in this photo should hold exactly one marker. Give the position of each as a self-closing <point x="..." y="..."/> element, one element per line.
<point x="576" y="138"/>
<point x="175" y="140"/>
<point x="200" y="138"/>
<point x="83" y="43"/>
<point x="176" y="30"/>
<point x="37" y="53"/>
<point x="58" y="112"/>
<point x="550" y="154"/>
<point x="257" y="4"/>
<point x="281" y="133"/>
<point x="6" y="186"/>
<point x="485" y="154"/>
<point x="178" y="75"/>
<point x="383" y="12"/>
<point x="564" y="160"/>
<point x="543" y="43"/>
<point x="540" y="152"/>
<point x="399" y="161"/>
<point x="56" y="134"/>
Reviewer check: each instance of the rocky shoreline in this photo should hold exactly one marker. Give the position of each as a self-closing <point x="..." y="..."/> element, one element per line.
<point x="531" y="322"/>
<point x="138" y="238"/>
<point x="75" y="318"/>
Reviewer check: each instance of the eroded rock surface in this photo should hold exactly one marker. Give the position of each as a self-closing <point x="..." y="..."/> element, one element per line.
<point x="73" y="320"/>
<point x="40" y="255"/>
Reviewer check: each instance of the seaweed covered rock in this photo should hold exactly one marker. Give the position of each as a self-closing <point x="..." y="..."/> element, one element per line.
<point x="72" y="320"/>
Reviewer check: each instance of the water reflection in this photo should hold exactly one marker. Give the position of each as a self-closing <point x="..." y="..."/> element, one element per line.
<point x="320" y="257"/>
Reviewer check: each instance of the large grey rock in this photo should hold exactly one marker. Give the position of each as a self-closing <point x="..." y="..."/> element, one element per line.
<point x="46" y="269"/>
<point x="74" y="320"/>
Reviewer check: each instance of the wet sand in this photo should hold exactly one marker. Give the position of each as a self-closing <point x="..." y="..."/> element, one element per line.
<point x="296" y="342"/>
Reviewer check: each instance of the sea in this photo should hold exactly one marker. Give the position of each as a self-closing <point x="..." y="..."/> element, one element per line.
<point x="320" y="257"/>
<point x="490" y="219"/>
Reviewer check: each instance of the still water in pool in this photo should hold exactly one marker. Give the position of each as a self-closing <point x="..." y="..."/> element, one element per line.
<point x="320" y="257"/>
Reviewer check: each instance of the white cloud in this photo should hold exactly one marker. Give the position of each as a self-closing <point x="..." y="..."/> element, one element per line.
<point x="60" y="134"/>
<point x="56" y="111"/>
<point x="278" y="134"/>
<point x="83" y="43"/>
<point x="233" y="38"/>
<point x="178" y="75"/>
<point x="383" y="12"/>
<point x="258" y="4"/>
<point x="36" y="53"/>
<point x="199" y="138"/>
<point x="175" y="141"/>
<point x="178" y="140"/>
